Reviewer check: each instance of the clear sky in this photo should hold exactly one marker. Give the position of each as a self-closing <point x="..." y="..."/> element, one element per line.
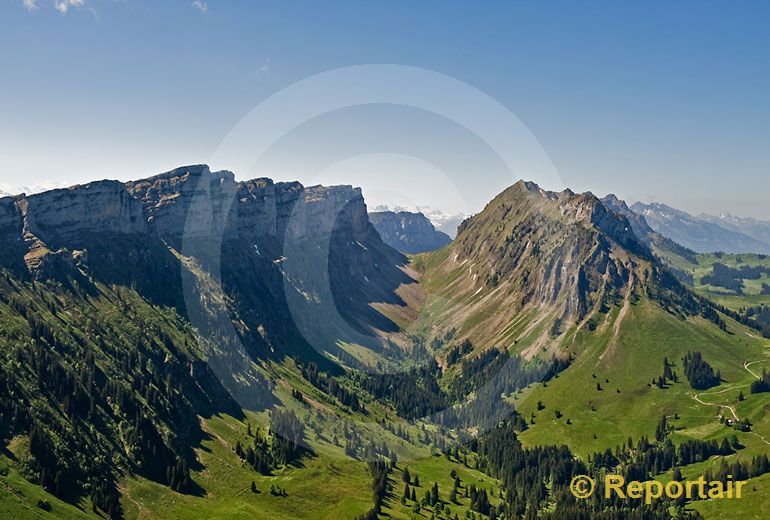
<point x="665" y="101"/>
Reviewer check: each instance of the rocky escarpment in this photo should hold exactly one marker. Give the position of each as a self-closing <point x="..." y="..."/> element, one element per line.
<point x="190" y="200"/>
<point x="193" y="202"/>
<point x="11" y="225"/>
<point x="64" y="215"/>
<point x="33" y="228"/>
<point x="268" y="243"/>
<point x="408" y="232"/>
<point x="187" y="202"/>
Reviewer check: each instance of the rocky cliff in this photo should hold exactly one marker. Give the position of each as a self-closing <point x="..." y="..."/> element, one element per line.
<point x="189" y="202"/>
<point x="194" y="202"/>
<point x="663" y="247"/>
<point x="268" y="243"/>
<point x="66" y="214"/>
<point x="11" y="221"/>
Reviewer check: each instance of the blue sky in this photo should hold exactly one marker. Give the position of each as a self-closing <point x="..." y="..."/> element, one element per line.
<point x="664" y="101"/>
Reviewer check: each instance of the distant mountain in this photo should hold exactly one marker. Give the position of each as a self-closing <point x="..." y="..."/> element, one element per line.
<point x="442" y="221"/>
<point x="447" y="223"/>
<point x="757" y="229"/>
<point x="705" y="234"/>
<point x="6" y="190"/>
<point x="662" y="246"/>
<point x="408" y="232"/>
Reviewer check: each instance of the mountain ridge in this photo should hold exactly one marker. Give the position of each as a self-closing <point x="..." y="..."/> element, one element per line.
<point x="166" y="389"/>
<point x="702" y="235"/>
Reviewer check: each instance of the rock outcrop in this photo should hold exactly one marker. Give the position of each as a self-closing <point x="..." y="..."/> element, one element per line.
<point x="65" y="215"/>
<point x="193" y="202"/>
<point x="190" y="202"/>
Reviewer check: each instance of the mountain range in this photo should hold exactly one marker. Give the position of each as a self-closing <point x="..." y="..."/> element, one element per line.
<point x="444" y="222"/>
<point x="7" y="190"/>
<point x="187" y="345"/>
<point x="705" y="233"/>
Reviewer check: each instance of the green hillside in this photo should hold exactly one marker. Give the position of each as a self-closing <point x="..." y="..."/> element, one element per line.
<point x="75" y="326"/>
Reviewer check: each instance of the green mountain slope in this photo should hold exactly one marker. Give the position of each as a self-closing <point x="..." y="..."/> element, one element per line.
<point x="543" y="274"/>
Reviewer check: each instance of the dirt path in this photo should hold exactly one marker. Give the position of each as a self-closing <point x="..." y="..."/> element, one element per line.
<point x="721" y="406"/>
<point x="746" y="366"/>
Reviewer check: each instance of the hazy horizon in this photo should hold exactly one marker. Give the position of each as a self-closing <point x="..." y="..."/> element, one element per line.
<point x="376" y="200"/>
<point x="662" y="102"/>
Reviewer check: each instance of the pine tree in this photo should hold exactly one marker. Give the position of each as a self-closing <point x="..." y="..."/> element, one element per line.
<point x="434" y="494"/>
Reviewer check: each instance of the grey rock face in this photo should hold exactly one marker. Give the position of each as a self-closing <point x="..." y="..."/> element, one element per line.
<point x="194" y="202"/>
<point x="11" y="220"/>
<point x="66" y="214"/>
<point x="98" y="207"/>
<point x="638" y="223"/>
<point x="190" y="202"/>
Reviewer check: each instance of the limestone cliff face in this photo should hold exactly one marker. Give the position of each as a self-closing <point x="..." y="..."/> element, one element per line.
<point x="322" y="209"/>
<point x="67" y="214"/>
<point x="190" y="202"/>
<point x="194" y="202"/>
<point x="294" y="262"/>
